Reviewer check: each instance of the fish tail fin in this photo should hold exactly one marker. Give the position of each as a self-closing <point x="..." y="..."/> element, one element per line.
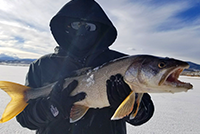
<point x="18" y="101"/>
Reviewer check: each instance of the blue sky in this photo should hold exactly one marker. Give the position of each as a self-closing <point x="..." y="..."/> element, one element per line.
<point x="159" y="27"/>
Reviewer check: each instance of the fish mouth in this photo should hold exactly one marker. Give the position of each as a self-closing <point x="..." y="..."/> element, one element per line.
<point x="172" y="78"/>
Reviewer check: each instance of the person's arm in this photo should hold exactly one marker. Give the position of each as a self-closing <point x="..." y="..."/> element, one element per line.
<point x="29" y="117"/>
<point x="118" y="90"/>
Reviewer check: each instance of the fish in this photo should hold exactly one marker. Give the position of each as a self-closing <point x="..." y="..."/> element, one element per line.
<point x="143" y="74"/>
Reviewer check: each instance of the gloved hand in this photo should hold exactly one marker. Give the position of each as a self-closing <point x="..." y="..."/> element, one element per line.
<point x="59" y="101"/>
<point x="145" y="112"/>
<point x="117" y="90"/>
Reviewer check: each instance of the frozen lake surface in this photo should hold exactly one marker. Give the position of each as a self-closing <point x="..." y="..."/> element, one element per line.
<point x="174" y="113"/>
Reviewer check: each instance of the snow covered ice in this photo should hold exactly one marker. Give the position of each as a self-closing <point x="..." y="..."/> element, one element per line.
<point x="177" y="113"/>
<point x="15" y="74"/>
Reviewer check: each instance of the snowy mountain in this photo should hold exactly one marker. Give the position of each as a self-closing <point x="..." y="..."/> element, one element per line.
<point x="7" y="57"/>
<point x="194" y="66"/>
<point x="14" y="60"/>
<point x="193" y="70"/>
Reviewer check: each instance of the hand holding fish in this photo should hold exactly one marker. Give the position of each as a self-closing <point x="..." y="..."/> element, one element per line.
<point x="145" y="111"/>
<point x="59" y="101"/>
<point x="117" y="90"/>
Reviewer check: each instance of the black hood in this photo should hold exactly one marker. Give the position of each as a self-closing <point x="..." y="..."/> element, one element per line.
<point x="85" y="10"/>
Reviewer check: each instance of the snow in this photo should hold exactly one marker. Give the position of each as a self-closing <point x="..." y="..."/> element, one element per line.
<point x="177" y="113"/>
<point x="14" y="74"/>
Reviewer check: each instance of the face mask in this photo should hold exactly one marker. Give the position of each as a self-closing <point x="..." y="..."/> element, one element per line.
<point x="81" y="35"/>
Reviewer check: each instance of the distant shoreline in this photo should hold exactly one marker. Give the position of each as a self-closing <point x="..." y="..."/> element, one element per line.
<point x="15" y="64"/>
<point x="191" y="73"/>
<point x="184" y="73"/>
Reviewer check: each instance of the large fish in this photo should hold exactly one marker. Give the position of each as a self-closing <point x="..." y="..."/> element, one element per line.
<point x="143" y="73"/>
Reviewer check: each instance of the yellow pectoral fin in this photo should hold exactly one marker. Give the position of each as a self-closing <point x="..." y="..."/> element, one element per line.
<point x="17" y="103"/>
<point x="125" y="107"/>
<point x="138" y="100"/>
<point x="77" y="112"/>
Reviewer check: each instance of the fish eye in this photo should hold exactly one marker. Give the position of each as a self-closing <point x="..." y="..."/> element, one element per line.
<point x="162" y="65"/>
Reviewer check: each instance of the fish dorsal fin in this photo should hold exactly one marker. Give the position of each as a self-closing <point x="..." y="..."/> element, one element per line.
<point x="125" y="107"/>
<point x="77" y="112"/>
<point x="81" y="71"/>
<point x="137" y="102"/>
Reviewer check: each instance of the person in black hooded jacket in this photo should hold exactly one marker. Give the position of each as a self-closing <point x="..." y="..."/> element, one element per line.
<point x="83" y="32"/>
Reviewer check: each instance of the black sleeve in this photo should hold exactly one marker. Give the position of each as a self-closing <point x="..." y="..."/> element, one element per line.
<point x="33" y="77"/>
<point x="29" y="117"/>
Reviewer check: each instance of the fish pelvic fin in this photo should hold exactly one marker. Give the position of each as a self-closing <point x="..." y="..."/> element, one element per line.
<point x="138" y="100"/>
<point x="125" y="108"/>
<point x="77" y="112"/>
<point x="17" y="103"/>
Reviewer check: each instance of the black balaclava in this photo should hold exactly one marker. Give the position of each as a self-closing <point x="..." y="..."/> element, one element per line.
<point x="81" y="39"/>
<point x="92" y="41"/>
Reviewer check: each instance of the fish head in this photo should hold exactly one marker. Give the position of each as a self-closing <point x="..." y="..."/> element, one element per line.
<point x="156" y="74"/>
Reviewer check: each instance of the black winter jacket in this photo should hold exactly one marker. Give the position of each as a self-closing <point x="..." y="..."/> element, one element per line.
<point x="51" y="67"/>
